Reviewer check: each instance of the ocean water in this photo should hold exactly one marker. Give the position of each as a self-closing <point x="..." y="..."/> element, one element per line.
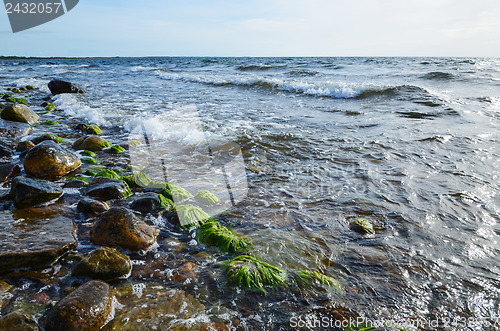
<point x="411" y="144"/>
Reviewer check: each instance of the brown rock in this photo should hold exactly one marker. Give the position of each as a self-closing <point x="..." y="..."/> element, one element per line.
<point x="20" y="113"/>
<point x="8" y="171"/>
<point x="91" y="207"/>
<point x="44" y="137"/>
<point x="85" y="309"/>
<point x="91" y="143"/>
<point x="24" y="146"/>
<point x="104" y="263"/>
<point x="121" y="227"/>
<point x="17" y="321"/>
<point x="50" y="160"/>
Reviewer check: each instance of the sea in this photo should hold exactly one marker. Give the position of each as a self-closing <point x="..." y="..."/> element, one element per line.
<point x="410" y="144"/>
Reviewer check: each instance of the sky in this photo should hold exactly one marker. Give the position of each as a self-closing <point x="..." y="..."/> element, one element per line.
<point x="264" y="28"/>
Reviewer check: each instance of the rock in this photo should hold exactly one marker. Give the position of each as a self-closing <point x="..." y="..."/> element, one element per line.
<point x="362" y="226"/>
<point x="20" y="113"/>
<point x="49" y="160"/>
<point x="91" y="143"/>
<point x="13" y="130"/>
<point x="33" y="242"/>
<point x="91" y="208"/>
<point x="121" y="227"/>
<point x="5" y="294"/>
<point x="94" y="129"/>
<point x="24" y="146"/>
<point x="104" y="263"/>
<point x="106" y="189"/>
<point x="17" y="321"/>
<point x="8" y="171"/>
<point x="151" y="305"/>
<point x="45" y="137"/>
<point x="146" y="203"/>
<point x="27" y="192"/>
<point x="75" y="183"/>
<point x="206" y="198"/>
<point x="5" y="151"/>
<point x="86" y="308"/>
<point x="117" y="149"/>
<point x="60" y="86"/>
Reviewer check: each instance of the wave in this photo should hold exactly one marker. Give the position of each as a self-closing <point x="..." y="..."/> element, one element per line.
<point x="303" y="72"/>
<point x="259" y="67"/>
<point x="438" y="75"/>
<point x="336" y="90"/>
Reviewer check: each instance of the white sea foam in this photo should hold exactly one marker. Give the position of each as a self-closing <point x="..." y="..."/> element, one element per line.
<point x="73" y="107"/>
<point x="39" y="83"/>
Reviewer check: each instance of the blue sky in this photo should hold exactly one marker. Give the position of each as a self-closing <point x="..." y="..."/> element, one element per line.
<point x="264" y="28"/>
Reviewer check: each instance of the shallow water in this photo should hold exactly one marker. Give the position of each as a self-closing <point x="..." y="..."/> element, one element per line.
<point x="412" y="144"/>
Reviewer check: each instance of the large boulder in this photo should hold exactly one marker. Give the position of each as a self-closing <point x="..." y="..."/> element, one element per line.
<point x="50" y="160"/>
<point x="27" y="192"/>
<point x="91" y="143"/>
<point x="121" y="227"/>
<point x="20" y="113"/>
<point x="8" y="171"/>
<point x="102" y="188"/>
<point x="59" y="86"/>
<point x="87" y="308"/>
<point x="33" y="242"/>
<point x="104" y="263"/>
<point x="17" y="321"/>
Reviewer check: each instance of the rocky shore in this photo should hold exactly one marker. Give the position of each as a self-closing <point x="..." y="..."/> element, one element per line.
<point x="80" y="229"/>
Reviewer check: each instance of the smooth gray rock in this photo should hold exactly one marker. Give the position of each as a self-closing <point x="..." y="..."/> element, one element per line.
<point x="27" y="192"/>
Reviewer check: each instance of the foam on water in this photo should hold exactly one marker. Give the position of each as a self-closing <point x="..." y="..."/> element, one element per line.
<point x="74" y="107"/>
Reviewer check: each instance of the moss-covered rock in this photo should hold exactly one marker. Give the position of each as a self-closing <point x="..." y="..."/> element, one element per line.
<point x="47" y="136"/>
<point x="175" y="193"/>
<point x="117" y="149"/>
<point x="137" y="179"/>
<point x="30" y="87"/>
<point x="20" y="113"/>
<point x="50" y="107"/>
<point x="94" y="129"/>
<point x="51" y="122"/>
<point x="362" y="226"/>
<point x="108" y="173"/>
<point x="49" y="160"/>
<point x="105" y="263"/>
<point x="206" y="198"/>
<point x="215" y="234"/>
<point x="17" y="100"/>
<point x="134" y="143"/>
<point x="86" y="308"/>
<point x="165" y="202"/>
<point x="16" y="90"/>
<point x="91" y="143"/>
<point x="90" y="153"/>
<point x="190" y="215"/>
<point x="88" y="160"/>
<point x="120" y="227"/>
<point x="251" y="273"/>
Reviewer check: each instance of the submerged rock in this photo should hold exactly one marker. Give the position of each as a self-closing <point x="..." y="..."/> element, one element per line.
<point x="121" y="227"/>
<point x="105" y="189"/>
<point x="20" y="113"/>
<point x="60" y="86"/>
<point x="17" y="321"/>
<point x="86" y="308"/>
<point x="32" y="242"/>
<point x="8" y="171"/>
<point x="91" y="143"/>
<point x="91" y="207"/>
<point x="27" y="192"/>
<point x="49" y="160"/>
<point x="14" y="130"/>
<point x="104" y="263"/>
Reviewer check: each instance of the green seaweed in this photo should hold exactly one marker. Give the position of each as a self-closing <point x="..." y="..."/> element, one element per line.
<point x="94" y="129"/>
<point x="17" y="100"/>
<point x="16" y="90"/>
<point x="23" y="88"/>
<point x="309" y="278"/>
<point x="50" y="122"/>
<point x="175" y="193"/>
<point x="137" y="179"/>
<point x="251" y="273"/>
<point x="90" y="172"/>
<point x="30" y="87"/>
<point x="90" y="153"/>
<point x="117" y="149"/>
<point x="215" y="234"/>
<point x="190" y="215"/>
<point x="206" y="198"/>
<point x="363" y="226"/>
<point x="88" y="160"/>
<point x="165" y="202"/>
<point x="108" y="173"/>
<point x="134" y="143"/>
<point x="50" y="107"/>
<point x="85" y="179"/>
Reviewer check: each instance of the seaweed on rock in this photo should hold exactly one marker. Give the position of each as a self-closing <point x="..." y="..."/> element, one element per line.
<point x="206" y="198"/>
<point x="137" y="179"/>
<point x="215" y="234"/>
<point x="310" y="278"/>
<point x="108" y="173"/>
<point x="190" y="215"/>
<point x="175" y="193"/>
<point x="249" y="272"/>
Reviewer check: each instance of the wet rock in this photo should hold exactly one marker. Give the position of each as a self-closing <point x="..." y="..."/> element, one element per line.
<point x="75" y="183"/>
<point x="5" y="294"/>
<point x="5" y="151"/>
<point x="32" y="242"/>
<point x="45" y="137"/>
<point x="104" y="263"/>
<point x="86" y="308"/>
<point x="105" y="189"/>
<point x="50" y="160"/>
<point x="8" y="171"/>
<point x="27" y="192"/>
<point x="91" y="143"/>
<point x="14" y="130"/>
<point x="24" y="146"/>
<point x="17" y="321"/>
<point x="60" y="86"/>
<point x="121" y="227"/>
<point x="91" y="207"/>
<point x="20" y="113"/>
<point x="146" y="203"/>
<point x="149" y="305"/>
